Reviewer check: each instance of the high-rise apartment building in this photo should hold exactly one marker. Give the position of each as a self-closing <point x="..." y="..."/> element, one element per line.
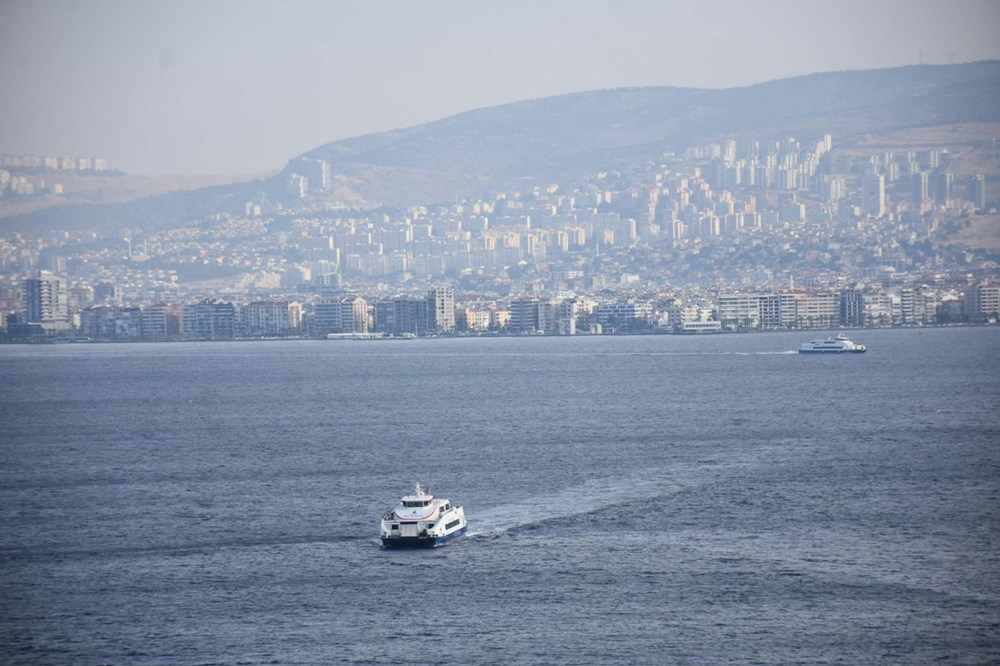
<point x="919" y="188"/>
<point x="852" y="308"/>
<point x="316" y="172"/>
<point x="441" y="310"/>
<point x="943" y="183"/>
<point x="160" y="321"/>
<point x="982" y="300"/>
<point x="873" y="195"/>
<point x="524" y="314"/>
<point x="977" y="191"/>
<point x="45" y="299"/>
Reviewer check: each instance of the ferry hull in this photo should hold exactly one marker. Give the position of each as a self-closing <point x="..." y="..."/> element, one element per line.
<point x="421" y="542"/>
<point x="838" y="345"/>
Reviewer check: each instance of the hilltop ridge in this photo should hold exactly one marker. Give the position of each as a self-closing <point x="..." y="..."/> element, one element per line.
<point x="566" y="135"/>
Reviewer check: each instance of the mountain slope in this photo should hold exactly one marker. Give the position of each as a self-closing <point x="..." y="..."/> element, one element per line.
<point x="569" y="135"/>
<point x="558" y="136"/>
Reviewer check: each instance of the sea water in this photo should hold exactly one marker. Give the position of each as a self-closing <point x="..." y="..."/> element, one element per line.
<point x="646" y="500"/>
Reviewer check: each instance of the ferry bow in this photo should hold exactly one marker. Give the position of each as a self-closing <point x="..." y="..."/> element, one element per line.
<point x="421" y="520"/>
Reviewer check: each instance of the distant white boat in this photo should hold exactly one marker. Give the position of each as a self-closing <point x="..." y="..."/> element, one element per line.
<point x="355" y="336"/>
<point x="421" y="520"/>
<point x="838" y="345"/>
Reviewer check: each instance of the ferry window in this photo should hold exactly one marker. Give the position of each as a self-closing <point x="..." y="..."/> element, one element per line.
<point x="395" y="527"/>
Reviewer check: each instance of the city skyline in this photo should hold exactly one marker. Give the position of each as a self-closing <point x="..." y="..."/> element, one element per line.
<point x="185" y="89"/>
<point x="714" y="240"/>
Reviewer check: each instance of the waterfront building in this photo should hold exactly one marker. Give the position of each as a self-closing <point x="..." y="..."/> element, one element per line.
<point x="477" y="319"/>
<point x="111" y="322"/>
<point x="624" y="313"/>
<point x="878" y="308"/>
<point x="441" y="310"/>
<point x="917" y="306"/>
<point x="401" y="316"/>
<point x="566" y="326"/>
<point x="577" y="307"/>
<point x="788" y="308"/>
<point x="161" y="321"/>
<point x="739" y="311"/>
<point x="852" y="308"/>
<point x="982" y="302"/>
<point x="45" y="300"/>
<point x="818" y="310"/>
<point x="769" y="309"/>
<point x="553" y="315"/>
<point x="499" y="319"/>
<point x="950" y="310"/>
<point x="210" y="319"/>
<point x="699" y="326"/>
<point x="346" y="314"/>
<point x="273" y="318"/>
<point x="524" y="315"/>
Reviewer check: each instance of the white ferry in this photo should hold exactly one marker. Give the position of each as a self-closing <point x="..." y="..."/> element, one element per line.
<point x="838" y="345"/>
<point x="421" y="520"/>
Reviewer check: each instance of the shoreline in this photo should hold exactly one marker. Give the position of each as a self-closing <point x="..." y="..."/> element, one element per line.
<point x="374" y="337"/>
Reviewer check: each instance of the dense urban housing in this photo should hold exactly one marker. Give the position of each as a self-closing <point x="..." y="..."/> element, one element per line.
<point x="734" y="236"/>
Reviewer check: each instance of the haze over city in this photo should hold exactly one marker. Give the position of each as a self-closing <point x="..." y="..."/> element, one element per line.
<point x="240" y="88"/>
<point x="688" y="312"/>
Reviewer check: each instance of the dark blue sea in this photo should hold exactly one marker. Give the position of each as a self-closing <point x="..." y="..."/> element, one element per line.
<point x="632" y="500"/>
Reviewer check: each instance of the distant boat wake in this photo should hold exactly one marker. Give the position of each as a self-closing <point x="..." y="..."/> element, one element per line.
<point x="762" y="353"/>
<point x="592" y="354"/>
<point x="576" y="500"/>
<point x="705" y="353"/>
<point x="602" y="494"/>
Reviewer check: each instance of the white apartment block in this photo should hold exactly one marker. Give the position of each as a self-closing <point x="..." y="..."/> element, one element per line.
<point x="272" y="319"/>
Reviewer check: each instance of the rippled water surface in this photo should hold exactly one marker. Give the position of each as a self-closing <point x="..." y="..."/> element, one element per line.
<point x="654" y="499"/>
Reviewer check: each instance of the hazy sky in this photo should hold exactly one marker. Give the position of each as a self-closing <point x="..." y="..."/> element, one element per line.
<point x="239" y="87"/>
